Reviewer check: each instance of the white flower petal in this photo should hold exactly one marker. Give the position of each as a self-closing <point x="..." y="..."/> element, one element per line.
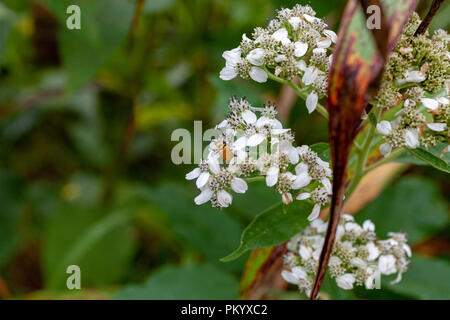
<point x="311" y="101"/>
<point x="295" y="22"/>
<point x="249" y="117"/>
<point x="193" y="174"/>
<point x="309" y="18"/>
<point x="240" y="143"/>
<point x="239" y="185"/>
<point x="203" y="197"/>
<point x="300" y="49"/>
<point x="282" y="36"/>
<point x="301" y="65"/>
<point x="258" y="74"/>
<point x="301" y="167"/>
<point x="301" y="180"/>
<point x="430" y="103"/>
<point x="256" y="56"/>
<point x="443" y="100"/>
<point x="228" y="73"/>
<point x="368" y="225"/>
<point x="293" y="155"/>
<point x="331" y="34"/>
<point x="407" y="249"/>
<point x="224" y="198"/>
<point x="286" y="198"/>
<point x="412" y="138"/>
<point x="315" y="213"/>
<point x="255" y="139"/>
<point x="310" y="75"/>
<point x="324" y="43"/>
<point x="289" y="277"/>
<point x="386" y="149"/>
<point x="272" y="176"/>
<point x="345" y="281"/>
<point x="305" y="252"/>
<point x="232" y="56"/>
<point x="213" y="165"/>
<point x="436" y="126"/>
<point x="303" y="196"/>
<point x="386" y="264"/>
<point x="202" y="180"/>
<point x="384" y="127"/>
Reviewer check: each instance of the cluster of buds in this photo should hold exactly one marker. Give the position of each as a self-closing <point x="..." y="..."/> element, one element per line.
<point x="249" y="147"/>
<point x="416" y="79"/>
<point x="357" y="259"/>
<point x="294" y="44"/>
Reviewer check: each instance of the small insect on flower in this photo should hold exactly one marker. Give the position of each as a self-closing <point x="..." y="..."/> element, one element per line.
<point x="224" y="151"/>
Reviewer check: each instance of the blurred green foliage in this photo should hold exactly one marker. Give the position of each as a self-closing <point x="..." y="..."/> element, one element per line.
<point x="85" y="170"/>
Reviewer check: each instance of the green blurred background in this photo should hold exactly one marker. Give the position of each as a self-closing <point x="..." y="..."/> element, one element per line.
<point x="86" y="178"/>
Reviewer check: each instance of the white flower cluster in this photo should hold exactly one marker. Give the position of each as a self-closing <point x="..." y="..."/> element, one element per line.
<point x="416" y="73"/>
<point x="296" y="43"/>
<point x="249" y="146"/>
<point x="358" y="258"/>
<point x="419" y="122"/>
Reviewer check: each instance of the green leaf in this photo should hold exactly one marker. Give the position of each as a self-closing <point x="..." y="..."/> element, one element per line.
<point x="188" y="282"/>
<point x="413" y="205"/>
<point x="101" y="245"/>
<point x="431" y="159"/>
<point x="273" y="226"/>
<point x="104" y="26"/>
<point x="426" y="278"/>
<point x="157" y="6"/>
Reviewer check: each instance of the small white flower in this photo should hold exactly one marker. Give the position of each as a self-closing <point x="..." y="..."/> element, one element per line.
<point x="331" y="34"/>
<point x="386" y="264"/>
<point x="386" y="149"/>
<point x="300" y="49"/>
<point x="436" y="126"/>
<point x="353" y="227"/>
<point x="305" y="252"/>
<point x="384" y="127"/>
<point x="232" y="57"/>
<point x="346" y="281"/>
<point x="204" y="196"/>
<point x="295" y="275"/>
<point x="256" y="57"/>
<point x="301" y="180"/>
<point x="295" y="21"/>
<point x="239" y="185"/>
<point x="430" y="103"/>
<point x="272" y="176"/>
<point x="311" y="101"/>
<point x="193" y="174"/>
<point x="310" y="75"/>
<point x="368" y="226"/>
<point x="347" y="217"/>
<point x="412" y="138"/>
<point x="224" y="198"/>
<point x="258" y="74"/>
<point x="282" y="36"/>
